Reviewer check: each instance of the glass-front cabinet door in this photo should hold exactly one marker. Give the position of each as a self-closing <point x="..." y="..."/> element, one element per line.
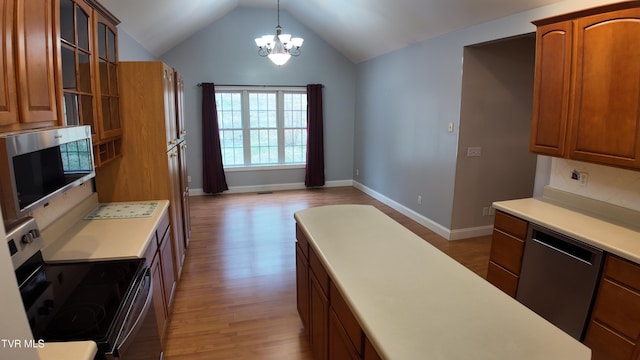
<point x="108" y="77"/>
<point x="76" y="36"/>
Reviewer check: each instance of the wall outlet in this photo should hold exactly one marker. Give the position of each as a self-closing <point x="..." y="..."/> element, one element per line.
<point x="580" y="176"/>
<point x="485" y="211"/>
<point x="474" y="151"/>
<point x="357" y="172"/>
<point x="189" y="178"/>
<point x="419" y="199"/>
<point x="450" y="128"/>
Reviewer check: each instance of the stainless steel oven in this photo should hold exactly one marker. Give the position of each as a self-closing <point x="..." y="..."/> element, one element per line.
<point x="109" y="302"/>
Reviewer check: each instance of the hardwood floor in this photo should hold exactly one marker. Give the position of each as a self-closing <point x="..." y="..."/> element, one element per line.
<point x="237" y="297"/>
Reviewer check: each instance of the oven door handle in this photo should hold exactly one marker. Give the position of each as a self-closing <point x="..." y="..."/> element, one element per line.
<point x="123" y="343"/>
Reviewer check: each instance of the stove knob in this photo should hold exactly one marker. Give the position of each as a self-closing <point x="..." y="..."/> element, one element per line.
<point x="35" y="233"/>
<point x="27" y="238"/>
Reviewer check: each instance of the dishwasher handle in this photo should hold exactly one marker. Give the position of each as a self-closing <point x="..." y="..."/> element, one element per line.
<point x="572" y="248"/>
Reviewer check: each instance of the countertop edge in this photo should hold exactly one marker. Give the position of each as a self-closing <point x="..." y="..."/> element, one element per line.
<point x="591" y="229"/>
<point x="77" y="350"/>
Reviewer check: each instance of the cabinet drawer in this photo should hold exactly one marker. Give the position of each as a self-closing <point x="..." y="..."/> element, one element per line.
<point x="346" y="317"/>
<point x="619" y="308"/>
<point x="319" y="272"/>
<point x="511" y="225"/>
<point x="302" y="241"/>
<point x="622" y="271"/>
<point x="502" y="279"/>
<point x="506" y="251"/>
<point x="607" y="345"/>
<point x="163" y="225"/>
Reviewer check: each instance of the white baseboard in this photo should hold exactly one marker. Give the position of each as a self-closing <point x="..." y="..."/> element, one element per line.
<point x="271" y="187"/>
<point x="446" y="233"/>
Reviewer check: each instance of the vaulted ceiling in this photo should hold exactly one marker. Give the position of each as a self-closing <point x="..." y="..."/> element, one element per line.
<point x="372" y="27"/>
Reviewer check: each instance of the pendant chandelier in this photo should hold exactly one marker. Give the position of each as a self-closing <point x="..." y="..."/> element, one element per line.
<point x="279" y="47"/>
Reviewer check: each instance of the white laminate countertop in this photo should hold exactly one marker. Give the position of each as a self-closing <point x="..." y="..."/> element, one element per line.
<point x="415" y="302"/>
<point x="103" y="239"/>
<point x="76" y="350"/>
<point x="618" y="239"/>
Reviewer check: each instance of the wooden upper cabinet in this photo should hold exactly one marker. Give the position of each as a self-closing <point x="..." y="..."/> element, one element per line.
<point x="107" y="79"/>
<point x="28" y="96"/>
<point x="606" y="105"/>
<point x="8" y="95"/>
<point x="170" y="106"/>
<point x="587" y="93"/>
<point x="181" y="130"/>
<point x="551" y="89"/>
<point x="76" y="58"/>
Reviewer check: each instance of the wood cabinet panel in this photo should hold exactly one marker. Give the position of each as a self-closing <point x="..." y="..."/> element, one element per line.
<point x="168" y="272"/>
<point x="8" y="90"/>
<point x="302" y="240"/>
<point x="319" y="271"/>
<point x="506" y="251"/>
<point x="606" y="103"/>
<point x="619" y="308"/>
<point x="511" y="225"/>
<point x="35" y="61"/>
<point x="340" y="345"/>
<point x="158" y="296"/>
<point x="302" y="287"/>
<point x="502" y="279"/>
<point x="318" y="319"/>
<point x="551" y="89"/>
<point x="370" y="352"/>
<point x="606" y="344"/>
<point x="623" y="271"/>
<point x="346" y="319"/>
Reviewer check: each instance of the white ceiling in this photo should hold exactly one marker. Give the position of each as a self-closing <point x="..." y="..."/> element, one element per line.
<point x="374" y="27"/>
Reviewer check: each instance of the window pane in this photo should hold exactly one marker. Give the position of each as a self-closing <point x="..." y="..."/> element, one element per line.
<point x="262" y="110"/>
<point x="258" y="129"/>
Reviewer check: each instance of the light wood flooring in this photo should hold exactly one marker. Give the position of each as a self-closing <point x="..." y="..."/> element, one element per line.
<point x="237" y="298"/>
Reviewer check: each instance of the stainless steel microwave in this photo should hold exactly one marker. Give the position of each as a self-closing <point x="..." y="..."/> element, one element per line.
<point x="38" y="165"/>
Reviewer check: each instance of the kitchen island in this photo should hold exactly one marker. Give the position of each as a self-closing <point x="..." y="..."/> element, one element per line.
<point x="412" y="301"/>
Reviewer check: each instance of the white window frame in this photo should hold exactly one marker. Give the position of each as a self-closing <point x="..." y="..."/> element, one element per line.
<point x="246" y="130"/>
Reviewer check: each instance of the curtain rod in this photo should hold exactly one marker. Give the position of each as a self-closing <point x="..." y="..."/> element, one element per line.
<point x="265" y="86"/>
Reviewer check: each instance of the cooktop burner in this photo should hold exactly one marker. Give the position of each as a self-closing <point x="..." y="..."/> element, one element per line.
<point x="79" y="301"/>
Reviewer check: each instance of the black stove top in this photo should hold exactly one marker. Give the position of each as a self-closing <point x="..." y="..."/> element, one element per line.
<point x="79" y="301"/>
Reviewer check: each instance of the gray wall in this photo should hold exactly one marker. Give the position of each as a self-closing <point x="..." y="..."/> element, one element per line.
<point x="495" y="115"/>
<point x="225" y="53"/>
<point x="131" y="50"/>
<point x="404" y="102"/>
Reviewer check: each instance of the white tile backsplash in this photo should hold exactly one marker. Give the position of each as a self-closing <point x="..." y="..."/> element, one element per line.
<point x="612" y="185"/>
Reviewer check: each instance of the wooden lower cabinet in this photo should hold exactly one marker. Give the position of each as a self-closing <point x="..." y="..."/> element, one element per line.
<point x="331" y="328"/>
<point x="614" y="329"/>
<point x="340" y="347"/>
<point x="302" y="287"/>
<point x="507" y="247"/>
<point x="159" y="256"/>
<point x="318" y="318"/>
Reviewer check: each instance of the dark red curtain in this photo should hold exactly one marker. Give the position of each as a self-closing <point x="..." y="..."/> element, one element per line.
<point x="213" y="177"/>
<point x="315" y="138"/>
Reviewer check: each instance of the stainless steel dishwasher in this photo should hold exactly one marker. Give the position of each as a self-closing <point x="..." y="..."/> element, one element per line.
<point x="558" y="278"/>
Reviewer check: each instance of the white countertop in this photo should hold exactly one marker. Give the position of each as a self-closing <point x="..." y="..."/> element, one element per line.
<point x="76" y="350"/>
<point x="618" y="239"/>
<point x="105" y="238"/>
<point x="415" y="302"/>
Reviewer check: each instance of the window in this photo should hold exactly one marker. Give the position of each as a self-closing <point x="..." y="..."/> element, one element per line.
<point x="262" y="126"/>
